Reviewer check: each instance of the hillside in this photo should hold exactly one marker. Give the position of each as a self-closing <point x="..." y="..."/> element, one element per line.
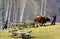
<point x="47" y="32"/>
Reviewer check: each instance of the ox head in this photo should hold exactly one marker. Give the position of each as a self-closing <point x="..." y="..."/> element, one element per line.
<point x="47" y="19"/>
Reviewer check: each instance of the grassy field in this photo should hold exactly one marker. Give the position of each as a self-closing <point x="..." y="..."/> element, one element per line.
<point x="44" y="32"/>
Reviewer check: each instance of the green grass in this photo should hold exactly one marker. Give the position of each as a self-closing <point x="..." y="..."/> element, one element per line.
<point x="47" y="32"/>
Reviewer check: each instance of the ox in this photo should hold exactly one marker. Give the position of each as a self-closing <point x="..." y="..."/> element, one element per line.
<point x="41" y="19"/>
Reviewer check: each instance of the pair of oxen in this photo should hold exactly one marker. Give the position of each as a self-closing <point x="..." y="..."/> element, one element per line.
<point x="41" y="20"/>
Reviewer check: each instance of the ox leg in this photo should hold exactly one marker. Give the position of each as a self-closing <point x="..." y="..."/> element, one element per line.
<point x="36" y="24"/>
<point x="41" y="24"/>
<point x="44" y="24"/>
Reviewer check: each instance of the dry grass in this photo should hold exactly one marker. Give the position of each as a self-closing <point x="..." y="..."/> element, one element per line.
<point x="47" y="32"/>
